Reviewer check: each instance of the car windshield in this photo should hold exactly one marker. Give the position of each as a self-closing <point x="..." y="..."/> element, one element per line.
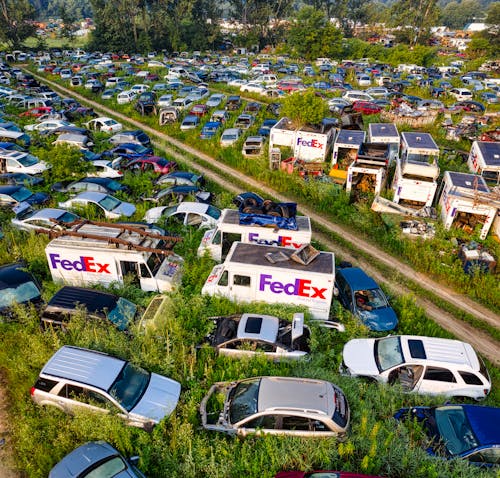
<point x="68" y="217"/>
<point x="111" y="467"/>
<point x="213" y="212"/>
<point x="109" y="122"/>
<point x="243" y="400"/>
<point x="114" y="185"/>
<point x="455" y="429"/>
<point x="18" y="294"/>
<point x="22" y="194"/>
<point x="129" y="386"/>
<point x="123" y="313"/>
<point x="374" y="298"/>
<point x="388" y="353"/>
<point x="28" y="160"/>
<point x="109" y="203"/>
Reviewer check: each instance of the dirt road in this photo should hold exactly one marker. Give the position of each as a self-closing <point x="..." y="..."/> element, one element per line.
<point x="229" y="178"/>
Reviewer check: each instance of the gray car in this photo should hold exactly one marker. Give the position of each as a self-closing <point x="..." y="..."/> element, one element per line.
<point x="81" y="379"/>
<point x="276" y="405"/>
<point x="96" y="459"/>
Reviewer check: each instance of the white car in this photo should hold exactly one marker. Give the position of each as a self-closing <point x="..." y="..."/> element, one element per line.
<point x="249" y="334"/>
<point x="125" y="97"/>
<point x="104" y="169"/>
<point x="253" y="87"/>
<point x="46" y="219"/>
<point x="461" y="94"/>
<point x="104" y="124"/>
<point x="47" y="125"/>
<point x="230" y="136"/>
<point x="109" y="206"/>
<point x="138" y="89"/>
<point x="237" y="82"/>
<point x="165" y="100"/>
<point x="378" y="91"/>
<point x="427" y="365"/>
<point x="20" y="162"/>
<point x="188" y="213"/>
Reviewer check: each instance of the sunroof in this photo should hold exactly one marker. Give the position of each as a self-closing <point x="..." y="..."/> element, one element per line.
<point x="417" y="349"/>
<point x="253" y="325"/>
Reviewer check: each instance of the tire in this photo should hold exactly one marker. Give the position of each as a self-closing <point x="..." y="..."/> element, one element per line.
<point x="250" y="202"/>
<point x="268" y="206"/>
<point x="252" y="210"/>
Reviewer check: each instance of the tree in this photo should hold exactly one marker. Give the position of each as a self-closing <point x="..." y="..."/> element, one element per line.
<point x="493" y="15"/>
<point x="304" y="108"/>
<point x="416" y="17"/>
<point x="312" y="35"/>
<point x="15" y="21"/>
<point x="457" y="14"/>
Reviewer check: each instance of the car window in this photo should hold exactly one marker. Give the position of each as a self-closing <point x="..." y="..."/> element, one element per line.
<point x="295" y="423"/>
<point x="439" y="375"/>
<point x="241" y="280"/>
<point x="267" y="422"/>
<point x="107" y="469"/>
<point x="18" y="294"/>
<point x="470" y="378"/>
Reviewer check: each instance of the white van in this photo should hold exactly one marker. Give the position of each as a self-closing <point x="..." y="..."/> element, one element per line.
<point x="357" y="95"/>
<point x="125" y="97"/>
<point x="182" y="103"/>
<point x="218" y="241"/>
<point x="253" y="272"/>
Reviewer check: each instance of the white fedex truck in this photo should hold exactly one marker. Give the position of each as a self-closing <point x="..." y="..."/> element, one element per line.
<point x="253" y="272"/>
<point x="217" y="242"/>
<point x="105" y="254"/>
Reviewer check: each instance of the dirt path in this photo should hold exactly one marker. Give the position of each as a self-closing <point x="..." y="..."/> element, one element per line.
<point x="226" y="177"/>
<point x="7" y="469"/>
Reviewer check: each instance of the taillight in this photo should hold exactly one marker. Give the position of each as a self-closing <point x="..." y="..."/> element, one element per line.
<point x="32" y="391"/>
<point x="486" y="392"/>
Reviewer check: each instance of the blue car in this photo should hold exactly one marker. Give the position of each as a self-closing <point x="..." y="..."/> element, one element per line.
<point x="471" y="432"/>
<point x="265" y="129"/>
<point x="129" y="151"/>
<point x="362" y="296"/>
<point x="210" y="129"/>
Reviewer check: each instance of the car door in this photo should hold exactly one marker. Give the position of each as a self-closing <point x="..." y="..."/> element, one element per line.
<point x="437" y="380"/>
<point x="72" y="397"/>
<point x="240" y="286"/>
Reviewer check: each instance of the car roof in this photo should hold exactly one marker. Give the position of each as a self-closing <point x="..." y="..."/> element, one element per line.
<point x="436" y="349"/>
<point x="484" y="421"/>
<point x="190" y="206"/>
<point x="82" y="458"/>
<point x="84" y="366"/>
<point x="91" y="196"/>
<point x="357" y="278"/>
<point x="261" y="327"/>
<point x="300" y="394"/>
<point x="93" y="300"/>
<point x="48" y="213"/>
<point x="9" y="189"/>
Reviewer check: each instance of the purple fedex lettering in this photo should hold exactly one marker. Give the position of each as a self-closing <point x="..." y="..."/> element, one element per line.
<point x="284" y="241"/>
<point x="84" y="264"/>
<point x="300" y="287"/>
<point x="312" y="143"/>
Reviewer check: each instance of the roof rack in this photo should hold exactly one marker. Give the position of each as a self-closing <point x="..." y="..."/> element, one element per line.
<point x="75" y="232"/>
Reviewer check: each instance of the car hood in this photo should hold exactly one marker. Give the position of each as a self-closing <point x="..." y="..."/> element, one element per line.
<point x="159" y="400"/>
<point x="124" y="209"/>
<point x="359" y="358"/>
<point x="380" y="320"/>
<point x="154" y="214"/>
<point x="38" y="198"/>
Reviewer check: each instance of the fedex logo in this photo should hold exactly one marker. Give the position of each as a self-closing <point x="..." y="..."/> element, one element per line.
<point x="284" y="241"/>
<point x="84" y="264"/>
<point x="312" y="143"/>
<point x="300" y="287"/>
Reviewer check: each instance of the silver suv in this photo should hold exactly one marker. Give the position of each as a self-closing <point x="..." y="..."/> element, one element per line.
<point x="76" y="378"/>
<point x="276" y="405"/>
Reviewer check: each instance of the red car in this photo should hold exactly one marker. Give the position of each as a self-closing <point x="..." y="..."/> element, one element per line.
<point x="39" y="111"/>
<point x="321" y="474"/>
<point x="199" y="110"/>
<point x="366" y="107"/>
<point x="155" y="164"/>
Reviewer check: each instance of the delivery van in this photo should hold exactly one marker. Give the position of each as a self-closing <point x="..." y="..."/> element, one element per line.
<point x="96" y="254"/>
<point x="254" y="272"/>
<point x="217" y="242"/>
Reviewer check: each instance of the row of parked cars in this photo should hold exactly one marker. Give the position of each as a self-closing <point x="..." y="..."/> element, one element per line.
<point x="280" y="405"/>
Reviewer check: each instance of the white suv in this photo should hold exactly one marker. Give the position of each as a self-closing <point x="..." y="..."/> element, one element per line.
<point x="76" y="378"/>
<point x="426" y="365"/>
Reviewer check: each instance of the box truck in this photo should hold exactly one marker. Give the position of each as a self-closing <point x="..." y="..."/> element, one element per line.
<point x="417" y="170"/>
<point x="102" y="254"/>
<point x="217" y="242"/>
<point x="385" y="133"/>
<point x="484" y="159"/>
<point x="466" y="202"/>
<point x="254" y="272"/>
<point x="345" y="150"/>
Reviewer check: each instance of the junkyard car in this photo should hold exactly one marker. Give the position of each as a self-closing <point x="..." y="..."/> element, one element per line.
<point x="96" y="459"/>
<point x="17" y="286"/>
<point x="13" y="195"/>
<point x="104" y="124"/>
<point x="28" y="219"/>
<point x="276" y="405"/>
<point x="470" y="432"/>
<point x="188" y="213"/>
<point x="109" y="206"/>
<point x="76" y="378"/>
<point x="248" y="334"/>
<point x="427" y="365"/>
<point x="101" y="185"/>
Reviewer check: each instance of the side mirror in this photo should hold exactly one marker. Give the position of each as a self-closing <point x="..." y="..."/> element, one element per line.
<point x="336" y="291"/>
<point x="133" y="460"/>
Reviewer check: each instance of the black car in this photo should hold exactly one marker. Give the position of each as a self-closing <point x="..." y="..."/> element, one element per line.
<point x="69" y="301"/>
<point x="20" y="179"/>
<point x="13" y="195"/>
<point x="17" y="286"/>
<point x="101" y="185"/>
